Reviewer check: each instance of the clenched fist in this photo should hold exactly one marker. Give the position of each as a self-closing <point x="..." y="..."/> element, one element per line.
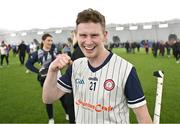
<point x="60" y="62"/>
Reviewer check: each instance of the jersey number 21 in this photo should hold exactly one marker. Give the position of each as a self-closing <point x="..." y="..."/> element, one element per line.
<point x="92" y="86"/>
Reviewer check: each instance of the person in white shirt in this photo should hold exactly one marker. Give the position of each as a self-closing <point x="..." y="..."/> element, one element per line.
<point x="4" y="53"/>
<point x="32" y="47"/>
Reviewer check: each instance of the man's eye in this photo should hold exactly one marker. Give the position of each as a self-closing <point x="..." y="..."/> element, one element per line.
<point x="94" y="35"/>
<point x="82" y="35"/>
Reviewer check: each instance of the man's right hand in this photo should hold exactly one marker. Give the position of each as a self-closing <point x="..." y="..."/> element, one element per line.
<point x="61" y="61"/>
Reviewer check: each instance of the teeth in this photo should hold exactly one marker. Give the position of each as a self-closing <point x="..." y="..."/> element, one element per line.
<point x="89" y="48"/>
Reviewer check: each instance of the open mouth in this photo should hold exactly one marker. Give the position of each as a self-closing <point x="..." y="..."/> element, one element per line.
<point x="89" y="48"/>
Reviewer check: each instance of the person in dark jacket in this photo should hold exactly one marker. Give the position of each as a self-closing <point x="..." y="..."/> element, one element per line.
<point x="22" y="48"/>
<point x="77" y="53"/>
<point x="44" y="56"/>
<point x="176" y="50"/>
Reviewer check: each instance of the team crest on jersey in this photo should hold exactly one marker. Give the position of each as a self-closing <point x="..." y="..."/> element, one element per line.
<point x="109" y="84"/>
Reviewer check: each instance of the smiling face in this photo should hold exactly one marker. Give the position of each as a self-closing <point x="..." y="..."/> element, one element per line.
<point x="91" y="38"/>
<point x="47" y="43"/>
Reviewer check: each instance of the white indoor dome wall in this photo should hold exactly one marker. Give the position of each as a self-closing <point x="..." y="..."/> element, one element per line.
<point x="154" y="34"/>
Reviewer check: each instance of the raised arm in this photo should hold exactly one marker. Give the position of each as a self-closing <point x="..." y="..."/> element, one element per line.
<point x="50" y="90"/>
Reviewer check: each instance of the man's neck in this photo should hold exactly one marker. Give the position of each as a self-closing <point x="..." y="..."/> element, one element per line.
<point x="96" y="62"/>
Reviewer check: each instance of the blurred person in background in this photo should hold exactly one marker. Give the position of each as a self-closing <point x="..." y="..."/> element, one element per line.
<point x="44" y="56"/>
<point x="22" y="49"/>
<point x="32" y="48"/>
<point x="4" y="53"/>
<point x="176" y="50"/>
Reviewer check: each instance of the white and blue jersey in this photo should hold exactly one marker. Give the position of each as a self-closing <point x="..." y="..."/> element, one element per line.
<point x="42" y="57"/>
<point x="103" y="94"/>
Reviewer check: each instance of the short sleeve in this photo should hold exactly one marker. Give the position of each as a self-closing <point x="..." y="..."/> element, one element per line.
<point x="64" y="82"/>
<point x="133" y="90"/>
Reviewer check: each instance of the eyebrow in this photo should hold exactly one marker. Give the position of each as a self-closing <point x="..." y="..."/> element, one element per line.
<point x="92" y="34"/>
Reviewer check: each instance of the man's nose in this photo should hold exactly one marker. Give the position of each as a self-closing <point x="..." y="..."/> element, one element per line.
<point x="89" y="39"/>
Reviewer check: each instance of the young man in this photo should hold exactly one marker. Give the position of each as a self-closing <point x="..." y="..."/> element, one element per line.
<point x="104" y="85"/>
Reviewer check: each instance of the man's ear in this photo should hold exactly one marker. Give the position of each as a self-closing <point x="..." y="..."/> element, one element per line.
<point x="105" y="36"/>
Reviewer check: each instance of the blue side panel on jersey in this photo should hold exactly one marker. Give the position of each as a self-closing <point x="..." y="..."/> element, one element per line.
<point x="66" y="78"/>
<point x="133" y="89"/>
<point x="64" y="85"/>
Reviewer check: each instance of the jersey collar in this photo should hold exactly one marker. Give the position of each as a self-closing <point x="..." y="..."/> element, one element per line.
<point x="102" y="65"/>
